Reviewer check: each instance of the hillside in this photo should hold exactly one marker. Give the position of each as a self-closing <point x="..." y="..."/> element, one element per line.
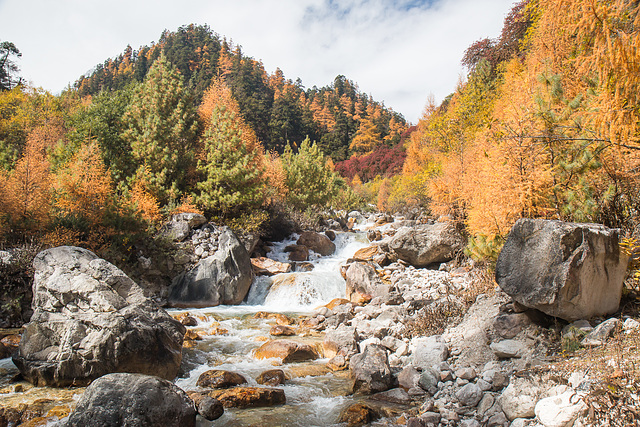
<point x="279" y="110"/>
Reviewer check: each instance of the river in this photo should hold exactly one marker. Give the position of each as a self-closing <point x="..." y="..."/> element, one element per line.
<point x="315" y="396"/>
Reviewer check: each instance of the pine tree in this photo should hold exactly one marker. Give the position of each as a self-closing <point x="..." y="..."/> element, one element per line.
<point x="234" y="174"/>
<point x="162" y="128"/>
<point x="309" y="179"/>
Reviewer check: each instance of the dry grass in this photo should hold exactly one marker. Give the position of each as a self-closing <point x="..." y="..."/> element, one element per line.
<point x="613" y="398"/>
<point x="450" y="310"/>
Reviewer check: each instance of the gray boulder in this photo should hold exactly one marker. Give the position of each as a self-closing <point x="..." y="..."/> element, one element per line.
<point x="371" y="370"/>
<point x="222" y="278"/>
<point x="90" y="320"/>
<point x="318" y="243"/>
<point x="133" y="400"/>
<point x="363" y="283"/>
<point x="426" y="244"/>
<point x="566" y="270"/>
<point x="181" y="225"/>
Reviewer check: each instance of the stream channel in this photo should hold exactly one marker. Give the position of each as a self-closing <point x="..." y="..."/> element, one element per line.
<point x="315" y="396"/>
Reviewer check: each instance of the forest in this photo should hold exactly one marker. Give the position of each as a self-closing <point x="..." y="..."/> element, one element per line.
<point x="545" y="124"/>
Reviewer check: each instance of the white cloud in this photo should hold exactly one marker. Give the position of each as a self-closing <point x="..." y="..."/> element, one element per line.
<point x="399" y="51"/>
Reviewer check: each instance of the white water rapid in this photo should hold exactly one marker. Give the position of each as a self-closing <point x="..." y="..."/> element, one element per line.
<point x="314" y="395"/>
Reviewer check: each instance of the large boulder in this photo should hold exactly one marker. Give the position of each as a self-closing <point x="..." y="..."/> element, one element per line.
<point x="371" y="370"/>
<point x="363" y="283"/>
<point x="133" y="400"/>
<point x="426" y="244"/>
<point x="222" y="278"/>
<point x="566" y="270"/>
<point x="90" y="320"/>
<point x="318" y="243"/>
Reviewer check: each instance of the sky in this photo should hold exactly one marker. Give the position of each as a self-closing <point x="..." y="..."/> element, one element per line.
<point x="398" y="51"/>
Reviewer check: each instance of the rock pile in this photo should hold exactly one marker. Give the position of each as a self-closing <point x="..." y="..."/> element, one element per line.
<point x="90" y="320"/>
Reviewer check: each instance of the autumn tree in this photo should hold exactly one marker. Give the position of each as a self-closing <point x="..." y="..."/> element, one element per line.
<point x="232" y="163"/>
<point x="84" y="197"/>
<point x="27" y="188"/>
<point x="161" y="128"/>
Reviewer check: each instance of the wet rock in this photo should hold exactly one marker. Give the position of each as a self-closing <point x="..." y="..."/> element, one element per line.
<point x="358" y="414"/>
<point x="344" y="339"/>
<point x="208" y="407"/>
<point x="281" y="330"/>
<point x="222" y="278"/>
<point x="297" y="252"/>
<point x="188" y="321"/>
<point x="336" y="302"/>
<point x="264" y="266"/>
<point x="371" y="370"/>
<point x="374" y="235"/>
<point x="363" y="283"/>
<point x="281" y="319"/>
<point x="428" y="351"/>
<point x="132" y="399"/>
<point x="272" y="377"/>
<point x="469" y="395"/>
<point x="330" y="234"/>
<point x="286" y="350"/>
<point x="426" y="244"/>
<point x="220" y="379"/>
<point x="303" y="266"/>
<point x="506" y="349"/>
<point x="367" y="254"/>
<point x="249" y="397"/>
<point x="561" y="410"/>
<point x="566" y="270"/>
<point x="338" y="363"/>
<point x="598" y="336"/>
<point x="89" y="320"/>
<point x="317" y="242"/>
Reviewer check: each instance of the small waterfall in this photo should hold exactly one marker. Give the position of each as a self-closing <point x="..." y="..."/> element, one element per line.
<point x="304" y="291"/>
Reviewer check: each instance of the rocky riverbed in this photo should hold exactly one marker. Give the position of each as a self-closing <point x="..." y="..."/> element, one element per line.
<point x="394" y="328"/>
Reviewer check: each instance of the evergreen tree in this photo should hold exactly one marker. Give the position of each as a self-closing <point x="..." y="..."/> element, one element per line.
<point x="234" y="174"/>
<point x="162" y="129"/>
<point x="310" y="181"/>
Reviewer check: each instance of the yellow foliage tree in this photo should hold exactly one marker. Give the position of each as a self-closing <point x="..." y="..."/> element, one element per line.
<point x="83" y="189"/>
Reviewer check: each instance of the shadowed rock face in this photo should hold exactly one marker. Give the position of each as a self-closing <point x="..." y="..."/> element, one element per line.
<point x="135" y="400"/>
<point x="90" y="320"/>
<point x="222" y="278"/>
<point x="566" y="270"/>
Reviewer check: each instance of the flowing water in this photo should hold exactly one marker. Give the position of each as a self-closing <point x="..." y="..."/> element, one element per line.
<point x="315" y="396"/>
